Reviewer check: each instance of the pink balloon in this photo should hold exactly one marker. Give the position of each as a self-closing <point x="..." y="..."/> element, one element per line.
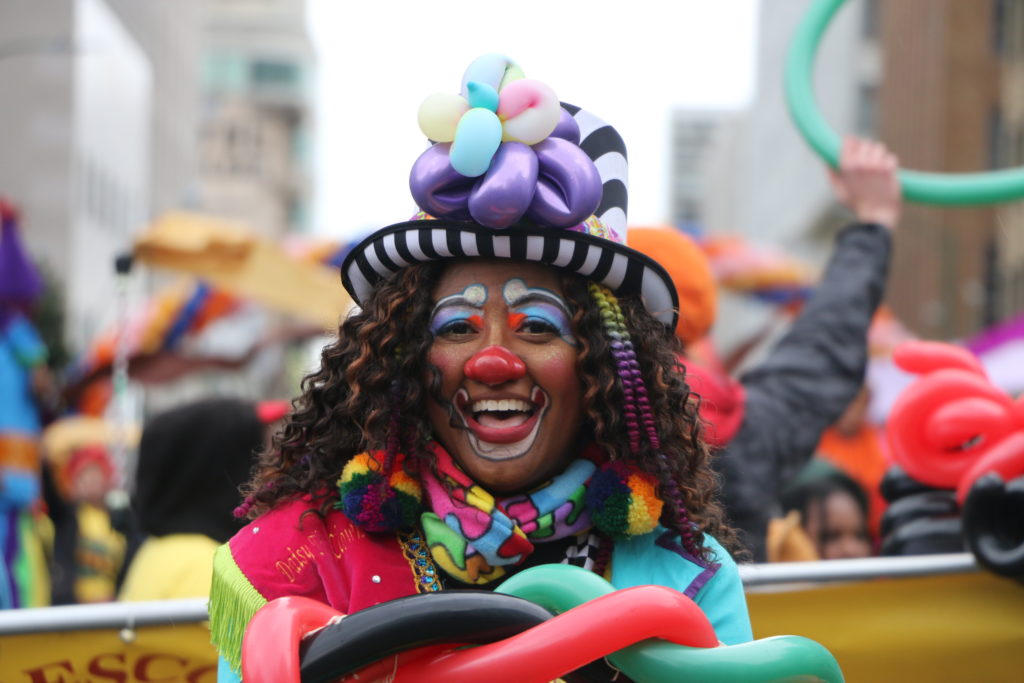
<point x="519" y="96"/>
<point x="529" y="110"/>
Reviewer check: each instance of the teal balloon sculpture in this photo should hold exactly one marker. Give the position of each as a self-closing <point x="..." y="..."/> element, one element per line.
<point x="930" y="188"/>
<point x="560" y="588"/>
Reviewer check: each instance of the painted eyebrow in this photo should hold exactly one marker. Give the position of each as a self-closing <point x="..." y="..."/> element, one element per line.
<point x="536" y="295"/>
<point x="473" y="296"/>
<point x="454" y="300"/>
<point x="523" y="297"/>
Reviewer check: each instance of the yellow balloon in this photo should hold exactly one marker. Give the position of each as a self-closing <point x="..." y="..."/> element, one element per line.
<point x="439" y="116"/>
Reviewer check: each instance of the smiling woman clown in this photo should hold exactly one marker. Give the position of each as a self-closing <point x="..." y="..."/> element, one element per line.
<point x="507" y="395"/>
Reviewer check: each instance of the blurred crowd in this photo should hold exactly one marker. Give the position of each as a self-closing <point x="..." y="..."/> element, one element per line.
<point x="78" y="544"/>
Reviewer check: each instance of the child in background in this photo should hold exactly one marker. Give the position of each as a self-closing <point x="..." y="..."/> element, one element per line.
<point x="88" y="552"/>
<point x="832" y="510"/>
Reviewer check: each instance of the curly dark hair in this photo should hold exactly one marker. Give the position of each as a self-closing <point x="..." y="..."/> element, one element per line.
<point x="373" y="383"/>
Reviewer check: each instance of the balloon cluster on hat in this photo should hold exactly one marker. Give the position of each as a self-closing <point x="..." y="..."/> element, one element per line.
<point x="505" y="150"/>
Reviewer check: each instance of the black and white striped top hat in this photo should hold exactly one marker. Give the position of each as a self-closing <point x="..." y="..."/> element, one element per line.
<point x="593" y="248"/>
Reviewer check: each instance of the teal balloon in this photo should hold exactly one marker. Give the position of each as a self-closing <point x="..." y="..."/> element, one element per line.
<point x="928" y="188"/>
<point x="560" y="587"/>
<point x="780" y="658"/>
<point x="482" y="95"/>
<point x="477" y="138"/>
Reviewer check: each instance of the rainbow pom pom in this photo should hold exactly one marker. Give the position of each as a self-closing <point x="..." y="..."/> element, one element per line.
<point x="623" y="501"/>
<point x="377" y="501"/>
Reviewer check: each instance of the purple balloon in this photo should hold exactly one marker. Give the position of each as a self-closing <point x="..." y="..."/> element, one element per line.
<point x="568" y="185"/>
<point x="553" y="183"/>
<point x="567" y="128"/>
<point x="504" y="193"/>
<point x="438" y="188"/>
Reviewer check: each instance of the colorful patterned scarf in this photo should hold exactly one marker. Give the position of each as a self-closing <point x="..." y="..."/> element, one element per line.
<point x="474" y="536"/>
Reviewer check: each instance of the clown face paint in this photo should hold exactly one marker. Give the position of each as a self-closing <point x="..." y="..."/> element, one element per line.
<point x="464" y="307"/>
<point x="505" y="348"/>
<point x="540" y="307"/>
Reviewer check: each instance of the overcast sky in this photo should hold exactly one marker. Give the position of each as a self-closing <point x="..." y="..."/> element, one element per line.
<point x="629" y="64"/>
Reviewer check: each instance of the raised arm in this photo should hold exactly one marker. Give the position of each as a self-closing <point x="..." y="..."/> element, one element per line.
<point x="818" y="366"/>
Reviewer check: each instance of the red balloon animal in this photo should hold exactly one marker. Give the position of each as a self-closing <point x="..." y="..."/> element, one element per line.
<point x="953" y="429"/>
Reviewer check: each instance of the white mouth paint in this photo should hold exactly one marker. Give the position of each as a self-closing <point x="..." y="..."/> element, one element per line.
<point x="503" y="451"/>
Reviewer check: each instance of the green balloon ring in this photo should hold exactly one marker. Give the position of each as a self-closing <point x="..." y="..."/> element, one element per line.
<point x="929" y="188"/>
<point x="560" y="587"/>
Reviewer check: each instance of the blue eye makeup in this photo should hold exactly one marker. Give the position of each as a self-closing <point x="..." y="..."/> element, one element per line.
<point x="465" y="307"/>
<point x="538" y="306"/>
<point x="448" y="320"/>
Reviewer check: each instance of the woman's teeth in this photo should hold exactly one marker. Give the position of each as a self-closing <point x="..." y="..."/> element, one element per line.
<point x="502" y="405"/>
<point x="501" y="413"/>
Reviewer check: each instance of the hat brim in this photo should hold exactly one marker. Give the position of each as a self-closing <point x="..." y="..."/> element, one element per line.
<point x="621" y="269"/>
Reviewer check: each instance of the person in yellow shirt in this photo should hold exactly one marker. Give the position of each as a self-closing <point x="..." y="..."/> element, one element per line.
<point x="192" y="460"/>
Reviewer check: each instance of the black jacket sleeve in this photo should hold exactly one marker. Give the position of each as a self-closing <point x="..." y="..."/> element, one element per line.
<point x="806" y="382"/>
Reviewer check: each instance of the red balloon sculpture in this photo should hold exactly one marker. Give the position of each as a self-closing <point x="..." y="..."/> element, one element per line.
<point x="952" y="425"/>
<point x="542" y="653"/>
<point x="952" y="429"/>
<point x="650" y="633"/>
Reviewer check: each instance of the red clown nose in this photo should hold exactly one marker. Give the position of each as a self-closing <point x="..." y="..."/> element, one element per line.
<point x="494" y="365"/>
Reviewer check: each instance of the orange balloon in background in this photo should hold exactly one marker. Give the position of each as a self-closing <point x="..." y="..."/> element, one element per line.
<point x="691" y="274"/>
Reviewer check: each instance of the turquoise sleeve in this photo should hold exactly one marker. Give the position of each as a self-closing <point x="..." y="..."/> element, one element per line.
<point x="225" y="674"/>
<point x="659" y="559"/>
<point x="28" y="346"/>
<point x="723" y="600"/>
